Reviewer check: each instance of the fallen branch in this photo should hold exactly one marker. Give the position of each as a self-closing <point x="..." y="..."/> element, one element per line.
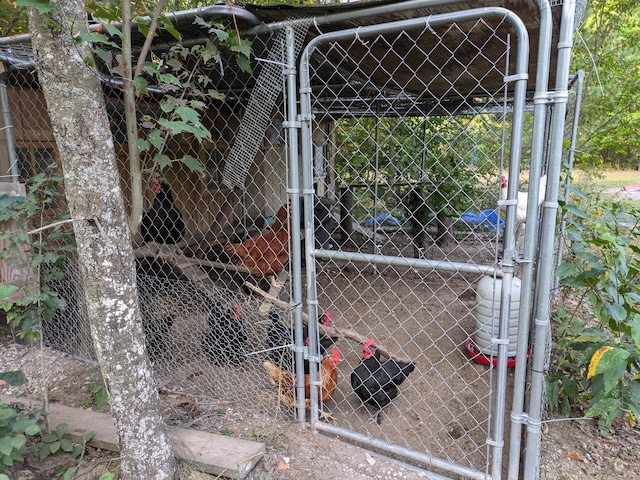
<point x="331" y="331"/>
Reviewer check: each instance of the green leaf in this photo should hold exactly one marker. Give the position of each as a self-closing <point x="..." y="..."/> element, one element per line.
<point x="66" y="445"/>
<point x="156" y="138"/>
<point x="6" y="413"/>
<point x="32" y="429"/>
<point x="143" y="26"/>
<point x="18" y="442"/>
<point x="173" y="126"/>
<point x="244" y="64"/>
<point x="635" y="331"/>
<point x="617" y="312"/>
<point x="21" y="425"/>
<point x="566" y="269"/>
<point x="102" y="398"/>
<point x="61" y="429"/>
<point x="49" y="438"/>
<point x="6" y="290"/>
<point x="193" y="164"/>
<point x="54" y="447"/>
<point x="584" y="279"/>
<point x="14" y="378"/>
<point x="614" y="376"/>
<point x="143" y="145"/>
<point x="611" y="359"/>
<point x="140" y="84"/>
<point x="188" y="114"/>
<point x="107" y="476"/>
<point x="112" y="29"/>
<point x="603" y="407"/>
<point x="99" y="38"/>
<point x="576" y="211"/>
<point x="244" y="49"/>
<point x="162" y="161"/>
<point x="5" y="446"/>
<point x="168" y="26"/>
<point x="69" y="474"/>
<point x="42" y="6"/>
<point x="77" y="450"/>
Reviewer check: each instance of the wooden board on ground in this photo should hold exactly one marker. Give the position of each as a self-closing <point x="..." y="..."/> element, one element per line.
<point x="214" y="454"/>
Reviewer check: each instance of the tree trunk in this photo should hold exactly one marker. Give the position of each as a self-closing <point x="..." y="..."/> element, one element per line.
<point x="81" y="128"/>
<point x="445" y="235"/>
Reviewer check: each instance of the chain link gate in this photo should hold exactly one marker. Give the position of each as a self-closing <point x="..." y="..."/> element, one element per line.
<point x="413" y="158"/>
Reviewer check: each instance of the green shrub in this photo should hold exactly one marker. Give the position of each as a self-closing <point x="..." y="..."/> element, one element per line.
<point x="43" y="262"/>
<point x="596" y="356"/>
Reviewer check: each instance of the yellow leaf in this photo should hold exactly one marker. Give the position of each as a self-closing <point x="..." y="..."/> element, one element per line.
<point x="595" y="359"/>
<point x="283" y="465"/>
<point x="630" y="419"/>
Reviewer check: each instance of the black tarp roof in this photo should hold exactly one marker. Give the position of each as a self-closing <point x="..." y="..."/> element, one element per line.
<point x="328" y="18"/>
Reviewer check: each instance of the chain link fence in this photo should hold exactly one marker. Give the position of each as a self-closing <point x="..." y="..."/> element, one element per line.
<point x="407" y="173"/>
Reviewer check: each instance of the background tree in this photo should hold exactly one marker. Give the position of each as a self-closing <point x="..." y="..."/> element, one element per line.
<point x="608" y="50"/>
<point x="13" y="19"/>
<point x="81" y="128"/>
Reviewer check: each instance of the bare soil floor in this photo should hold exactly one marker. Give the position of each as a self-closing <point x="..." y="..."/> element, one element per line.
<point x="571" y="449"/>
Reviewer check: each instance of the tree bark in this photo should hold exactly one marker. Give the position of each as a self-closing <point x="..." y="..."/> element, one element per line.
<point x="445" y="235"/>
<point x="81" y="128"/>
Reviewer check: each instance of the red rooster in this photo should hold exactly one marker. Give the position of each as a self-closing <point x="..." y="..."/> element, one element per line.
<point x="266" y="254"/>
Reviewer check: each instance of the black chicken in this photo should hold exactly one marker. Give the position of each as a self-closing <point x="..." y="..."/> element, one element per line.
<point x="225" y="337"/>
<point x="326" y="341"/>
<point x="376" y="382"/>
<point x="156" y="333"/>
<point x="280" y="337"/>
<point x="163" y="222"/>
<point x="279" y="341"/>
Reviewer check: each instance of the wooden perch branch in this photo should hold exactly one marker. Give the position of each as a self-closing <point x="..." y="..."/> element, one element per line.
<point x="332" y="330"/>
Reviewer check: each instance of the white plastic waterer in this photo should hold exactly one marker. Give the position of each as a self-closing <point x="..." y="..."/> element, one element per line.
<point x="487" y="313"/>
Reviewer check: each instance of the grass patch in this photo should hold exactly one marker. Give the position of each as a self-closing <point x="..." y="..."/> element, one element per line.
<point x="617" y="179"/>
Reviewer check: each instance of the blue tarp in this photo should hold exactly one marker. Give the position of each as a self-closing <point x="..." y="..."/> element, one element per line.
<point x="486" y="219"/>
<point x="386" y="219"/>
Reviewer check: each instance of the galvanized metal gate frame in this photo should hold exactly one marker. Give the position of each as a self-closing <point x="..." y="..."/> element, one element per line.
<point x="519" y="79"/>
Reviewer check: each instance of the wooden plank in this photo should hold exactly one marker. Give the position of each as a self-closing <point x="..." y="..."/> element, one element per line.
<point x="214" y="454"/>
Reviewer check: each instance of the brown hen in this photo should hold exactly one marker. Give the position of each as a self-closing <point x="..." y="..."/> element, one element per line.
<point x="286" y="381"/>
<point x="268" y="253"/>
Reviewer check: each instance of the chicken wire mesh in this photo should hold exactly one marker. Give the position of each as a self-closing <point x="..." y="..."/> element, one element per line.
<point x="404" y="164"/>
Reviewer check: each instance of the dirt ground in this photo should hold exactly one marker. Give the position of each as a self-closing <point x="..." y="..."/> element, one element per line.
<point x="571" y="449"/>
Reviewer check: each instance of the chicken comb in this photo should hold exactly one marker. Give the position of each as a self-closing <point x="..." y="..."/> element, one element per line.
<point x="326" y="318"/>
<point x="335" y="355"/>
<point x="369" y="343"/>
